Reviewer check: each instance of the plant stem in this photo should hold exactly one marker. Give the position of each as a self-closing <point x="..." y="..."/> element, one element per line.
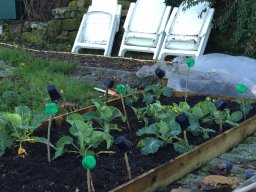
<point x="185" y="136"/>
<point x="127" y="165"/>
<point x="48" y="138"/>
<point x="125" y="113"/>
<point x="186" y="91"/>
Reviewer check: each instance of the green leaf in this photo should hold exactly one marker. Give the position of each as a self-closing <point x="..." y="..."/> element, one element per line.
<point x="231" y="123"/>
<point x="167" y="92"/>
<point x="129" y="101"/>
<point x="184" y="106"/>
<point x="37" y="120"/>
<point x="235" y="116"/>
<point x="25" y="114"/>
<point x="109" y="140"/>
<point x="197" y="112"/>
<point x="64" y="140"/>
<point x="175" y="128"/>
<point x="42" y="140"/>
<point x="91" y="115"/>
<point x="151" y="129"/>
<point x="163" y="127"/>
<point x="106" y="112"/>
<point x="81" y="128"/>
<point x="140" y="112"/>
<point x="74" y="117"/>
<point x="148" y="98"/>
<point x="194" y="124"/>
<point x="150" y="145"/>
<point x="5" y="141"/>
<point x="206" y="131"/>
<point x="14" y="119"/>
<point x="212" y="108"/>
<point x="182" y="146"/>
<point x="98" y="137"/>
<point x="98" y="103"/>
<point x="204" y="107"/>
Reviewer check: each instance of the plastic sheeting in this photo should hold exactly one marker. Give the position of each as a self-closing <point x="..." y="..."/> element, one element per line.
<point x="215" y="74"/>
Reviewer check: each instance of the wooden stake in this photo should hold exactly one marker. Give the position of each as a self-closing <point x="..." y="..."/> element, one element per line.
<point x="127" y="166"/>
<point x="186" y="92"/>
<point x="243" y="108"/>
<point x="48" y="138"/>
<point x="125" y="113"/>
<point x="89" y="181"/>
<point x="221" y="122"/>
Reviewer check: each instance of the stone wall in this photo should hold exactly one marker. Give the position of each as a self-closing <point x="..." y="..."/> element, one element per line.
<point x="62" y="28"/>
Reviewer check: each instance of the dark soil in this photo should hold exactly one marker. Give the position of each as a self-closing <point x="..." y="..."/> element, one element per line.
<point x="92" y="60"/>
<point x="65" y="174"/>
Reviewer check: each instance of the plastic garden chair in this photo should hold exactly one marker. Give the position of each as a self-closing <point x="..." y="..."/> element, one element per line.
<point x="144" y="27"/>
<point x="187" y="31"/>
<point x="99" y="26"/>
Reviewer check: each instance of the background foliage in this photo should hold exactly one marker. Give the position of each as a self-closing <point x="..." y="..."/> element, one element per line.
<point x="41" y="10"/>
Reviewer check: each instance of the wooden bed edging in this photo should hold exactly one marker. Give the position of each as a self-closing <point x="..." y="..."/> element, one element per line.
<point x="187" y="162"/>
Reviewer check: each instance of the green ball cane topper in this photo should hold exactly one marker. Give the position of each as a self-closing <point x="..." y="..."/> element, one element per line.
<point x="89" y="162"/>
<point x="50" y="109"/>
<point x="121" y="89"/>
<point x="190" y="62"/>
<point x="241" y="88"/>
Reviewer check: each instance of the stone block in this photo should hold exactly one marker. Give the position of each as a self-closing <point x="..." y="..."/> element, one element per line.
<point x="61" y="13"/>
<point x="70" y="24"/>
<point x="54" y="28"/>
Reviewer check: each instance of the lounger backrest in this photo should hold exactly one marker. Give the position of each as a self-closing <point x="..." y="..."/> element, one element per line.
<point x="147" y="16"/>
<point x="191" y="20"/>
<point x="108" y="6"/>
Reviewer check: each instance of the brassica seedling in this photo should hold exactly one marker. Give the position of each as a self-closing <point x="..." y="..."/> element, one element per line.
<point x="87" y="139"/>
<point x="18" y="127"/>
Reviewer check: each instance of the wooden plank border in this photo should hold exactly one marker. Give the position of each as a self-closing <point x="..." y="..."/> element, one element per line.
<point x="187" y="162"/>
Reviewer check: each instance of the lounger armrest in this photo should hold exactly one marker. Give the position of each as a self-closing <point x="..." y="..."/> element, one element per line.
<point x="171" y="19"/>
<point x="129" y="16"/>
<point x="165" y="19"/>
<point x="207" y="23"/>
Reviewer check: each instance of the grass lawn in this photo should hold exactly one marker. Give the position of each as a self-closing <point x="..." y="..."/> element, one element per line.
<point x="31" y="76"/>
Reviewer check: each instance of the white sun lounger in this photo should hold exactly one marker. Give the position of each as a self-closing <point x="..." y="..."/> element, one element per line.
<point x="187" y="31"/>
<point x="99" y="26"/>
<point x="144" y="27"/>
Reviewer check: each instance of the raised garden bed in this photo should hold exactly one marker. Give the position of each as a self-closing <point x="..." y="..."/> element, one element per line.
<point x="34" y="173"/>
